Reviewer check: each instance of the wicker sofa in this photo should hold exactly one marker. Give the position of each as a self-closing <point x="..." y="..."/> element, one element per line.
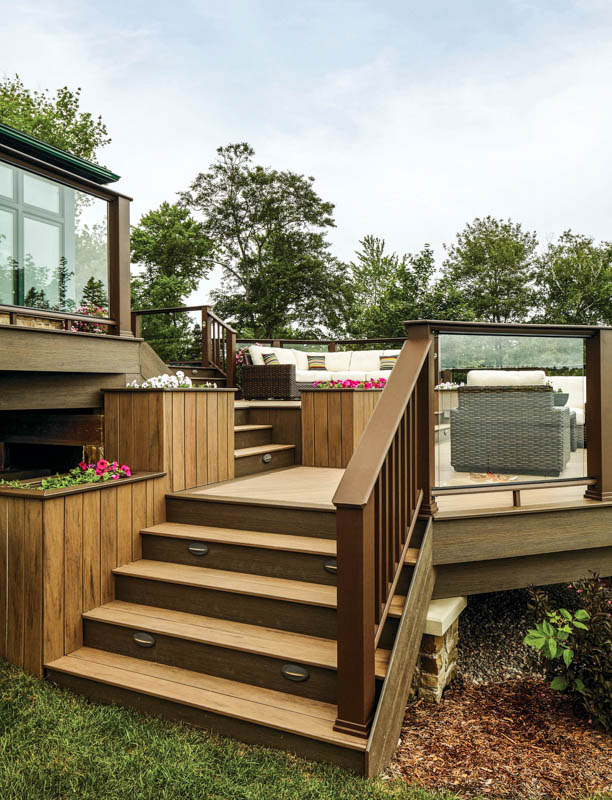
<point x="286" y="379"/>
<point x="510" y="428"/>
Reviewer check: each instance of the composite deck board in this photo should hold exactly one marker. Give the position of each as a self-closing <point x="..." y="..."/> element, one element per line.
<point x="237" y="582"/>
<point x="271" y="541"/>
<point x="267" y="707"/>
<point x="245" y="428"/>
<point x="312" y="650"/>
<point x="245" y="452"/>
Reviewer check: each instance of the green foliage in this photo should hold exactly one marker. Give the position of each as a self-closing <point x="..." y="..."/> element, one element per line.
<point x="573" y="648"/>
<point x="492" y="265"/>
<point x="36" y="298"/>
<point x="94" y="294"/>
<point x="56" y="119"/>
<point x="387" y="289"/>
<point x="173" y="252"/>
<point x="574" y="279"/>
<point x="268" y="230"/>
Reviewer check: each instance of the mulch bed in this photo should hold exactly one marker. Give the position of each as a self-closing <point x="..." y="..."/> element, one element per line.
<point x="516" y="739"/>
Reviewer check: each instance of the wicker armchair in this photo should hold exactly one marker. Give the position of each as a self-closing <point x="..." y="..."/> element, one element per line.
<point x="276" y="381"/>
<point x="509" y="429"/>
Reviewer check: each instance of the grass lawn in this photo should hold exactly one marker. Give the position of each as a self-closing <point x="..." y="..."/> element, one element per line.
<point x="54" y="746"/>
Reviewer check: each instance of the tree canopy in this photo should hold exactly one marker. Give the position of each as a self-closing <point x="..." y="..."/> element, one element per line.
<point x="55" y="118"/>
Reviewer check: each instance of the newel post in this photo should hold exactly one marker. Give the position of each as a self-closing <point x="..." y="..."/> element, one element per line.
<point x="119" y="265"/>
<point x="598" y="414"/>
<point x="205" y="331"/>
<point x="355" y="618"/>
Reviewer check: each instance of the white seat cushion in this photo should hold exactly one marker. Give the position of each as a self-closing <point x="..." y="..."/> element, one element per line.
<point x="579" y="415"/>
<point x="500" y="377"/>
<point x="366" y="360"/>
<point x="574" y="385"/>
<point x="338" y="362"/>
<point x="284" y="354"/>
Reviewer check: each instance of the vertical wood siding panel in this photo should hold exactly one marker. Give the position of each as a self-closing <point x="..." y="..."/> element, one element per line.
<point x="124" y="524"/>
<point x="92" y="589"/>
<point x="139" y="517"/>
<point x="201" y="439"/>
<point x="334" y="424"/>
<point x="308" y="456"/>
<point x="141" y="457"/>
<point x="222" y="435"/>
<point x="160" y="487"/>
<point x="15" y="616"/>
<point x="150" y="502"/>
<point x="3" y="573"/>
<point x="33" y="588"/>
<point x="168" y="399"/>
<point x="155" y="431"/>
<point x="108" y="543"/>
<point x="212" y="420"/>
<point x="190" y="440"/>
<point x="178" y="441"/>
<point x="111" y="426"/>
<point x="73" y="589"/>
<point x="126" y="429"/>
<point x="321" y="447"/>
<point x="53" y="579"/>
<point x="231" y="417"/>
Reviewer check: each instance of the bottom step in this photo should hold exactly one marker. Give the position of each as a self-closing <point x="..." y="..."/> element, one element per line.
<point x="252" y="714"/>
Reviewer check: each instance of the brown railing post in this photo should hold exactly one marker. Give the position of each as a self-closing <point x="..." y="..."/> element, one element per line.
<point x="119" y="265"/>
<point x="205" y="337"/>
<point x="598" y="414"/>
<point x="425" y="423"/>
<point x="355" y="618"/>
<point x="231" y="359"/>
<point x="136" y="324"/>
<point x="331" y="347"/>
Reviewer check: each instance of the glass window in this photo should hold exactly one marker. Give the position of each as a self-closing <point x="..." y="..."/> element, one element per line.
<point x="41" y="193"/>
<point x="53" y="245"/>
<point x="6" y="181"/>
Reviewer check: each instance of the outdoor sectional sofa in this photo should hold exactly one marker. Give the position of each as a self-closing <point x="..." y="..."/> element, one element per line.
<point x="507" y="422"/>
<point x="287" y="378"/>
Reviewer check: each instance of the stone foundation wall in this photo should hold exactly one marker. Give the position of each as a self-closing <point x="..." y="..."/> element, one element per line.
<point x="39" y="322"/>
<point x="5" y="319"/>
<point x="436" y="664"/>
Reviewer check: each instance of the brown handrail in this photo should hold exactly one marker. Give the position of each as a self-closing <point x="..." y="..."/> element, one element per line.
<point x="62" y="316"/>
<point x="385" y="488"/>
<point x="218" y="339"/>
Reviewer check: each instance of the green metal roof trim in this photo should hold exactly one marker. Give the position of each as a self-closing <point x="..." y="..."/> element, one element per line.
<point x="53" y="155"/>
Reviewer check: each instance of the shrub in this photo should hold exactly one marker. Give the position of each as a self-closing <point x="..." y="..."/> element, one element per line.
<point x="373" y="383"/>
<point x="85" y="473"/>
<point x="573" y="647"/>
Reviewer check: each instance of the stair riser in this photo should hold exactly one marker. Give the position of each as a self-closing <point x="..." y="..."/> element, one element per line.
<point x="234" y="558"/>
<point x="252" y="438"/>
<point x="241" y="416"/>
<point x="269" y="612"/>
<point x="226" y="726"/>
<point x="270" y="519"/>
<point x="253" y="668"/>
<point x="251" y="465"/>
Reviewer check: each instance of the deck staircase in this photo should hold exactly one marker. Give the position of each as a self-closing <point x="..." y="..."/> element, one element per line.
<point x="255" y="447"/>
<point x="228" y="622"/>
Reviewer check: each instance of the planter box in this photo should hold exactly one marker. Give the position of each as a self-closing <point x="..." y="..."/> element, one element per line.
<point x="187" y="433"/>
<point x="332" y="423"/>
<point x="57" y="550"/>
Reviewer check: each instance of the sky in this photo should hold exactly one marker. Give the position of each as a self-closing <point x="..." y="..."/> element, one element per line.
<point x="413" y="117"/>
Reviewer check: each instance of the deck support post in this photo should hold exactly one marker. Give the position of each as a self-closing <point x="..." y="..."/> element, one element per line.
<point x="355" y="615"/>
<point x="425" y="422"/>
<point x="598" y="414"/>
<point x="119" y="265"/>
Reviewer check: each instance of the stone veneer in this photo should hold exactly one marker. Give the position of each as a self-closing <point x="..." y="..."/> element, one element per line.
<point x="437" y="662"/>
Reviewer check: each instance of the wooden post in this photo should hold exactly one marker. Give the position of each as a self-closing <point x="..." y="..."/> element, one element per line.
<point x="231" y="359"/>
<point x="425" y="429"/>
<point x="356" y="624"/>
<point x="598" y="414"/>
<point x="205" y="338"/>
<point x="331" y="347"/>
<point x="136" y="325"/>
<point x="119" y="263"/>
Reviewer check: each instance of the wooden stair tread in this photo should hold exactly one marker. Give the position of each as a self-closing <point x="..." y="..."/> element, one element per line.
<point x="243" y="428"/>
<point x="261" y="449"/>
<point x="311" y="650"/>
<point x="241" y="583"/>
<point x="397" y="605"/>
<point x="303" y="716"/>
<point x="411" y="556"/>
<point x="271" y="541"/>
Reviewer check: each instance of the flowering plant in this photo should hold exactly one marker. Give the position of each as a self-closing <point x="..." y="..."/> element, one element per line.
<point x="102" y="470"/>
<point x="373" y="383"/>
<point x="178" y="381"/>
<point x="447" y="386"/>
<point x="87" y="326"/>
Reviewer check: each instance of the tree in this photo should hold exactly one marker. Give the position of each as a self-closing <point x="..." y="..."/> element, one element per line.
<point x="56" y="119"/>
<point x="94" y="294"/>
<point x="268" y="232"/>
<point x="492" y="265"/>
<point x="173" y="252"/>
<point x="388" y="289"/>
<point x="574" y="279"/>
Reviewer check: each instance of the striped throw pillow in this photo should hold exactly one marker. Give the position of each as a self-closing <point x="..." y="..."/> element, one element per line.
<point x="387" y="362"/>
<point x="316" y="362"/>
<point x="270" y="359"/>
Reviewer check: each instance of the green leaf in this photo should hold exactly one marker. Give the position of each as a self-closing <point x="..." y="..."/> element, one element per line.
<point x="565" y="613"/>
<point x="582" y="613"/>
<point x="568" y="655"/>
<point x="552" y="647"/>
<point x="548" y="628"/>
<point x="559" y="683"/>
<point x="563" y="634"/>
<point x="580" y="625"/>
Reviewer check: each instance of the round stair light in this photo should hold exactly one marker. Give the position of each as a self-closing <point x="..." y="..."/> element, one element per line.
<point x="267" y="458"/>
<point x="331" y="565"/>
<point x="197" y="549"/>
<point x="143" y="639"/>
<point x="295" y="672"/>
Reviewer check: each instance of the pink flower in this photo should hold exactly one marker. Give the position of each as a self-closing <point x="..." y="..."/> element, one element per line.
<point x="83" y="466"/>
<point x="114" y="477"/>
<point x="101" y="465"/>
<point x="125" y="469"/>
